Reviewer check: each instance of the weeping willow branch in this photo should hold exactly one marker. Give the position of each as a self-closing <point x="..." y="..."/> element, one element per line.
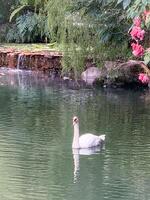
<point x="80" y="33"/>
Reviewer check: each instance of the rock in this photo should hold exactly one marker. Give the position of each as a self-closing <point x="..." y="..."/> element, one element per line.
<point x="90" y="75"/>
<point x="122" y="74"/>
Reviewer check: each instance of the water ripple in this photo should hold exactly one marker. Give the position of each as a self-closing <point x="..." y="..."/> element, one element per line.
<point x="36" y="161"/>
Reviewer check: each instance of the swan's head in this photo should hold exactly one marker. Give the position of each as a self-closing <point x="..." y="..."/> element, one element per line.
<point x="75" y="120"/>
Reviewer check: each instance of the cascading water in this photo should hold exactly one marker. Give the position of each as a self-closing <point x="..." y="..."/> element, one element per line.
<point x="20" y="62"/>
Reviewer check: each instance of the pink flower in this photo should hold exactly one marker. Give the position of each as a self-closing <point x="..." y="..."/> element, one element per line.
<point x="143" y="78"/>
<point x="137" y="21"/>
<point x="137" y="33"/>
<point x="141" y="75"/>
<point x="137" y="49"/>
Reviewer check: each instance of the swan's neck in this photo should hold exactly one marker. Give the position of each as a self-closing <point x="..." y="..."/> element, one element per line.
<point x="75" y="143"/>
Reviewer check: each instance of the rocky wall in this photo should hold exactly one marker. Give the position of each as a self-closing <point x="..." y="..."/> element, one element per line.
<point x="45" y="61"/>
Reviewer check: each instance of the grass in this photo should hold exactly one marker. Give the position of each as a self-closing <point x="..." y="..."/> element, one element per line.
<point x="32" y="47"/>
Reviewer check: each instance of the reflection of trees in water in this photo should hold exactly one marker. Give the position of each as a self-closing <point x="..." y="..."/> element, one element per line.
<point x="108" y="109"/>
<point x="34" y="124"/>
<point x="23" y="79"/>
<point x="123" y="111"/>
<point x="37" y="119"/>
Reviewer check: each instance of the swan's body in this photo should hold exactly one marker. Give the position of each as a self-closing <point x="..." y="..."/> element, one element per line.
<point x="87" y="140"/>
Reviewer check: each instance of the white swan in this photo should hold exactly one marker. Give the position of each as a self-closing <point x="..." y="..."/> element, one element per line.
<point x="87" y="140"/>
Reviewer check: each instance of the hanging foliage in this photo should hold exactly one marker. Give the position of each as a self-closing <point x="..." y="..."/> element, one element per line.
<point x="95" y="29"/>
<point x="29" y="23"/>
<point x="86" y="29"/>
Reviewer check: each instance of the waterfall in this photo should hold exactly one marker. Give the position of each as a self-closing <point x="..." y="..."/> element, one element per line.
<point x="20" y="61"/>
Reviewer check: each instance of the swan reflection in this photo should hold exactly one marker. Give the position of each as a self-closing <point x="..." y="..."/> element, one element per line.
<point x="76" y="158"/>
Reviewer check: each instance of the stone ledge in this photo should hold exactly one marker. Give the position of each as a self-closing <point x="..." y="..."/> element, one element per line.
<point x="44" y="61"/>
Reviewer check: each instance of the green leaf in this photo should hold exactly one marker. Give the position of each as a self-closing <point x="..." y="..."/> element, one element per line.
<point x="120" y="1"/>
<point x="147" y="58"/>
<point x="126" y="3"/>
<point x="145" y="2"/>
<point x="16" y="11"/>
<point x="147" y="22"/>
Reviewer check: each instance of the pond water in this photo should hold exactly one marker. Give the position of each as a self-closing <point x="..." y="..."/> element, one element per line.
<point x="36" y="158"/>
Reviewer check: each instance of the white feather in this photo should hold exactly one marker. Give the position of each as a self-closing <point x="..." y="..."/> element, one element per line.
<point x="87" y="140"/>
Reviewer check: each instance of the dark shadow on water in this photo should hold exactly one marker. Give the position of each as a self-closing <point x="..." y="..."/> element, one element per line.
<point x="26" y="79"/>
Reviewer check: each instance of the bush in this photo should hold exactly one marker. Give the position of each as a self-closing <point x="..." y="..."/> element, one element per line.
<point x="27" y="29"/>
<point x="3" y="32"/>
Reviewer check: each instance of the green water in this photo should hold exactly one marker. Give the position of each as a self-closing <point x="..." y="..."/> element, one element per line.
<point x="36" y="160"/>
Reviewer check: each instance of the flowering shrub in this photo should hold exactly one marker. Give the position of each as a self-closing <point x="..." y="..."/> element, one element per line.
<point x="137" y="35"/>
<point x="137" y="49"/>
<point x="136" y="32"/>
